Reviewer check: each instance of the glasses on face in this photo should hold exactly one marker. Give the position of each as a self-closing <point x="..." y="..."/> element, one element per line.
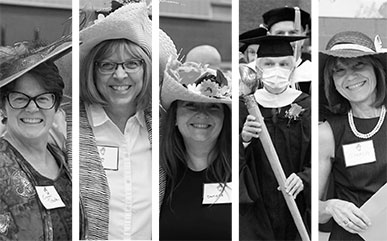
<point x="130" y="66"/>
<point x="18" y="100"/>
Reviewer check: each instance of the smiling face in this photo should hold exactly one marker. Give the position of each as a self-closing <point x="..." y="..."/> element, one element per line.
<point x="355" y="80"/>
<point x="199" y="122"/>
<point x="30" y="123"/>
<point x="120" y="88"/>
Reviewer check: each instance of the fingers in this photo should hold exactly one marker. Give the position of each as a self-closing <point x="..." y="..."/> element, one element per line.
<point x="348" y="216"/>
<point x="294" y="185"/>
<point x="251" y="129"/>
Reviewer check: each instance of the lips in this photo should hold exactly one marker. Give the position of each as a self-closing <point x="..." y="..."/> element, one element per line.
<point x="201" y="126"/>
<point x="31" y="121"/>
<point x="120" y="87"/>
<point x="356" y="85"/>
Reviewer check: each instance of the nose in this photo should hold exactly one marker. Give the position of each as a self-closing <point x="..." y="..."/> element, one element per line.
<point x="120" y="72"/>
<point x="32" y="107"/>
<point x="351" y="74"/>
<point x="202" y="112"/>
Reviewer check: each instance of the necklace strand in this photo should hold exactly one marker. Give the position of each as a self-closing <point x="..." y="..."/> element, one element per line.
<point x="373" y="132"/>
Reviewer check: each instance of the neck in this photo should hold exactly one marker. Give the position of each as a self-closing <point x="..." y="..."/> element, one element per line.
<point x="34" y="151"/>
<point x="120" y="115"/>
<point x="198" y="155"/>
<point x="365" y="111"/>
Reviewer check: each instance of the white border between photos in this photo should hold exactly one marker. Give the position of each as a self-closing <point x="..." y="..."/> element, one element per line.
<point x="75" y="120"/>
<point x="235" y="119"/>
<point x="155" y="119"/>
<point x="314" y="120"/>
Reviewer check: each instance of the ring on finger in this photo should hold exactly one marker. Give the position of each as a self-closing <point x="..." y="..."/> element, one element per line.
<point x="346" y="222"/>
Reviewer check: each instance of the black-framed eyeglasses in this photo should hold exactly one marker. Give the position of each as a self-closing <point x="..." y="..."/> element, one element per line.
<point x="18" y="100"/>
<point x="130" y="66"/>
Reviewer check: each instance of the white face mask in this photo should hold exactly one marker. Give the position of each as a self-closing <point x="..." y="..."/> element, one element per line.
<point x="276" y="79"/>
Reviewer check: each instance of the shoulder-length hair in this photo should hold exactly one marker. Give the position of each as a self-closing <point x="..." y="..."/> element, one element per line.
<point x="173" y="154"/>
<point x="88" y="89"/>
<point x="340" y="105"/>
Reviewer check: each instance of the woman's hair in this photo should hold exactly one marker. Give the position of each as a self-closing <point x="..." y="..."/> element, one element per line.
<point x="48" y="77"/>
<point x="337" y="103"/>
<point x="173" y="155"/>
<point x="88" y="89"/>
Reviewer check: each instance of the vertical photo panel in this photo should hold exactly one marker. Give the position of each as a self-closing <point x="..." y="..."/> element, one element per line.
<point x="275" y="120"/>
<point x="352" y="131"/>
<point x="195" y="122"/>
<point x="115" y="115"/>
<point x="35" y="90"/>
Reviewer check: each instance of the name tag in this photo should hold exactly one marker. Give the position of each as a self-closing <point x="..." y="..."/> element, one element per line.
<point x="109" y="157"/>
<point x="359" y="153"/>
<point x="216" y="193"/>
<point x="49" y="197"/>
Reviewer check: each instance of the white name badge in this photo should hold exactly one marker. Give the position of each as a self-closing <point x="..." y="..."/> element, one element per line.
<point x="49" y="197"/>
<point x="359" y="153"/>
<point x="214" y="193"/>
<point x="109" y="157"/>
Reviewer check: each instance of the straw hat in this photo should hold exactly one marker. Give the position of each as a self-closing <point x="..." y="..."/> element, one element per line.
<point x="194" y="82"/>
<point x="130" y="22"/>
<point x="351" y="44"/>
<point x="17" y="60"/>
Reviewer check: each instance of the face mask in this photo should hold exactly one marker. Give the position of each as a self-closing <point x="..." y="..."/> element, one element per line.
<point x="276" y="80"/>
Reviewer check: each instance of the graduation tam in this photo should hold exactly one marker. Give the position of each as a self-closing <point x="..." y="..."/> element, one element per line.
<point x="284" y="14"/>
<point x="274" y="45"/>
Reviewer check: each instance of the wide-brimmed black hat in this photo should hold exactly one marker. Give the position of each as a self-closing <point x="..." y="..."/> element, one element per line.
<point x="253" y="33"/>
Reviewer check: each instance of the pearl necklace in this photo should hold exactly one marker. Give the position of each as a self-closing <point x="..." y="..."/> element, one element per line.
<point x="373" y="132"/>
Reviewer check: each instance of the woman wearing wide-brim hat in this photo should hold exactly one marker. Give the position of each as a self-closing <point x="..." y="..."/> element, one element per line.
<point x="35" y="183"/>
<point x="195" y="154"/>
<point x="115" y="122"/>
<point x="352" y="142"/>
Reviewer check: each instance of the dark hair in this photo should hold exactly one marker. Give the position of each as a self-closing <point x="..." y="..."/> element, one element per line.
<point x="48" y="77"/>
<point x="88" y="88"/>
<point x="173" y="153"/>
<point x="336" y="102"/>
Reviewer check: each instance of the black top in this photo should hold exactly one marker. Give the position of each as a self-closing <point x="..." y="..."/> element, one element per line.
<point x="186" y="218"/>
<point x="358" y="183"/>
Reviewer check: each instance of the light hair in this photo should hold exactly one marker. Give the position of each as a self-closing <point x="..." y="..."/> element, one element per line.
<point x="88" y="89"/>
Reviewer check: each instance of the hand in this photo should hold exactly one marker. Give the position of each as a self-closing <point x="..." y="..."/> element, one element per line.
<point x="251" y="128"/>
<point x="293" y="185"/>
<point x="348" y="216"/>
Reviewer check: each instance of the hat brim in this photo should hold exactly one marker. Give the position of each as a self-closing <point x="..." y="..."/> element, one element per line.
<point x="53" y="55"/>
<point x="171" y="90"/>
<point x="130" y="22"/>
<point x="257" y="40"/>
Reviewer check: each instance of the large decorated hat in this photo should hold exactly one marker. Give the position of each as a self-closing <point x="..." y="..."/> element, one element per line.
<point x="194" y="82"/>
<point x="130" y="21"/>
<point x="22" y="57"/>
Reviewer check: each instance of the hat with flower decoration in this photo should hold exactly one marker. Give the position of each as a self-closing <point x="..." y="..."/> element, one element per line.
<point x="22" y="57"/>
<point x="194" y="82"/>
<point x="129" y="21"/>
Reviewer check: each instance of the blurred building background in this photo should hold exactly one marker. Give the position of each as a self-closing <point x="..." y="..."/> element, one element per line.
<point x="366" y="16"/>
<point x="198" y="22"/>
<point x="251" y="11"/>
<point x="30" y="20"/>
